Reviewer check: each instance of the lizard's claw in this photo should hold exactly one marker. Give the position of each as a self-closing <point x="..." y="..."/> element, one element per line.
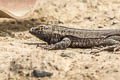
<point x="46" y="47"/>
<point x="117" y="48"/>
<point x="95" y="51"/>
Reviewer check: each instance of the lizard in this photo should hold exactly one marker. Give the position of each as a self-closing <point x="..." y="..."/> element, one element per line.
<point x="61" y="37"/>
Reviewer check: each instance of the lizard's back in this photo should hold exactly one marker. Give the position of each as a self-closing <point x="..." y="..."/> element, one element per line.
<point x="84" y="33"/>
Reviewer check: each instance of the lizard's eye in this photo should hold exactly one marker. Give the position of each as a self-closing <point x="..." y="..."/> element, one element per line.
<point x="37" y="29"/>
<point x="41" y="28"/>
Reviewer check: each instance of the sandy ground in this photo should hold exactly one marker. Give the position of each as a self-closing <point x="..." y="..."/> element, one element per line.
<point x="19" y="55"/>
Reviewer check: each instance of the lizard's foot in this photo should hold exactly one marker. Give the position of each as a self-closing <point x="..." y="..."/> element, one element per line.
<point x="117" y="48"/>
<point x="113" y="48"/>
<point x="95" y="51"/>
<point x="41" y="44"/>
<point x="46" y="47"/>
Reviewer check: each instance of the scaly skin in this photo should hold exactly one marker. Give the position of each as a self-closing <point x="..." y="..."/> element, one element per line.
<point x="60" y="37"/>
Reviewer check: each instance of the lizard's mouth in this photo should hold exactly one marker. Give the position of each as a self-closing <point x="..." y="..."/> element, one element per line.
<point x="31" y="30"/>
<point x="35" y="32"/>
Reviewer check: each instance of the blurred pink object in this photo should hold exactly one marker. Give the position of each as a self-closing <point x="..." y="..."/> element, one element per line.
<point x="16" y="8"/>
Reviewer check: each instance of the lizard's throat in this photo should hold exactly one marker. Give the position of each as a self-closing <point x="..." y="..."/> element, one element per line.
<point x="42" y="36"/>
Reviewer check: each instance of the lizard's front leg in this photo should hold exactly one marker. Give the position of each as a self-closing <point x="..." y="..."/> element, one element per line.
<point x="60" y="45"/>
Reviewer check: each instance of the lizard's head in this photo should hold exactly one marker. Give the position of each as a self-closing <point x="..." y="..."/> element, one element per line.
<point x="41" y="31"/>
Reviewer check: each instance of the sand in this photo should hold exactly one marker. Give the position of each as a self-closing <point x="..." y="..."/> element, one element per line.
<point x="19" y="55"/>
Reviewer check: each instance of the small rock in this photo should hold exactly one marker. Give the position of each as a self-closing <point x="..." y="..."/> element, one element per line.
<point x="115" y="70"/>
<point x="70" y="55"/>
<point x="37" y="73"/>
<point x="100" y="26"/>
<point x="86" y="67"/>
<point x="113" y="23"/>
